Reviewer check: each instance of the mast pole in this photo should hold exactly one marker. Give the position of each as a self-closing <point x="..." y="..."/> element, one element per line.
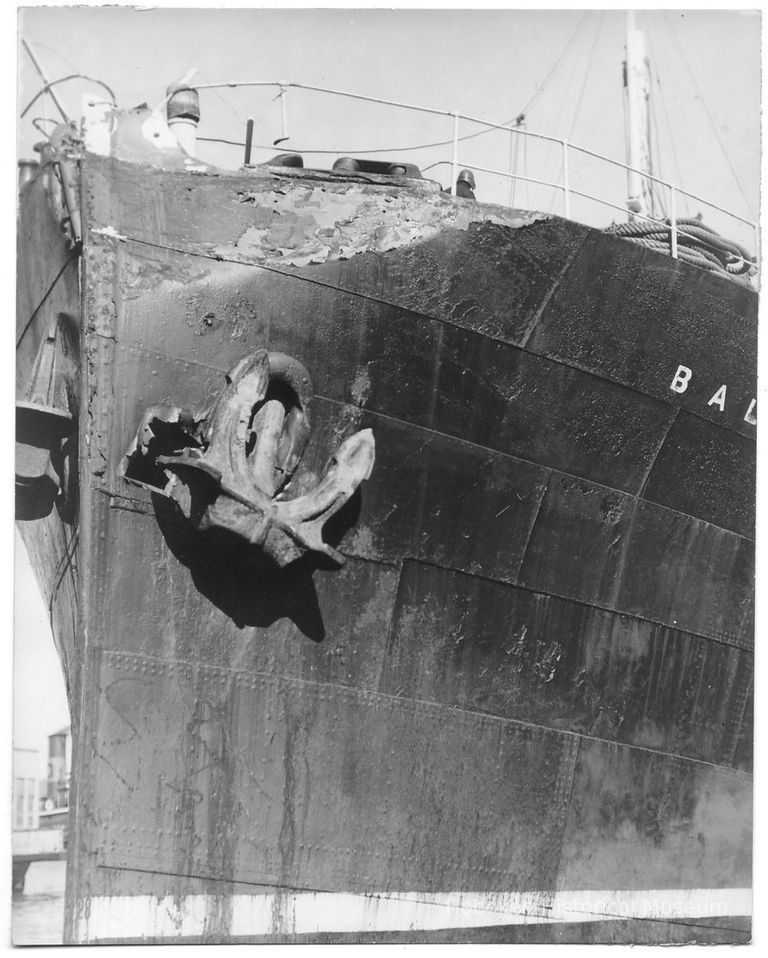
<point x="638" y="147"/>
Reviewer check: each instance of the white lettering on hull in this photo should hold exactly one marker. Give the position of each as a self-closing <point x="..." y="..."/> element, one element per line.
<point x="719" y="398"/>
<point x="297" y="913"/>
<point x="682" y="379"/>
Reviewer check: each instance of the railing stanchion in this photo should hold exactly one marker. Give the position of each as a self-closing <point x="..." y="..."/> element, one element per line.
<point x="248" y="141"/>
<point x="566" y="187"/>
<point x="567" y="190"/>
<point x="455" y="160"/>
<point x="758" y="251"/>
<point x="283" y="109"/>
<point x="673" y="219"/>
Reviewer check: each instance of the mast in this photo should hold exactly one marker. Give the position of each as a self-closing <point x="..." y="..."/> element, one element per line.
<point x="637" y="87"/>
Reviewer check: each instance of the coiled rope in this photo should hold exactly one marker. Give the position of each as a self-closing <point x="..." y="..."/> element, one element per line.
<point x="696" y="243"/>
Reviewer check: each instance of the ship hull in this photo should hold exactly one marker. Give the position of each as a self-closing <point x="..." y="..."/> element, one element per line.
<point x="521" y="711"/>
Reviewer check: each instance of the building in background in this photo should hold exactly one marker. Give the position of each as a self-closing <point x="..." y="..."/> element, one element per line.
<point x="40" y="806"/>
<point x="54" y="812"/>
<point x="26" y="789"/>
<point x="59" y="757"/>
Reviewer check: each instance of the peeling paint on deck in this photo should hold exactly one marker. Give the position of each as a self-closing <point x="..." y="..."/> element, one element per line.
<point x="311" y="224"/>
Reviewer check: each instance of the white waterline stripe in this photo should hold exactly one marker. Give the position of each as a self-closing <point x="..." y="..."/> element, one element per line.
<point x="296" y="912"/>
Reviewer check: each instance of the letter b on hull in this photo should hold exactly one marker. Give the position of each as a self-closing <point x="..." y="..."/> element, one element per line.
<point x="682" y="377"/>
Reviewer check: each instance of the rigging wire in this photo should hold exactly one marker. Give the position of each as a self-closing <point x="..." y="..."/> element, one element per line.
<point x="75" y="251"/>
<point x="72" y="76"/>
<point x="580" y="98"/>
<point x="429" y="146"/>
<point x="38" y="67"/>
<point x="559" y="122"/>
<point x="656" y="200"/>
<point x="160" y="84"/>
<point x="336" y="152"/>
<point x="657" y="193"/>
<point x="626" y="123"/>
<point x="226" y="103"/>
<point x="401" y="149"/>
<point x="56" y="53"/>
<point x="586" y="74"/>
<point x="665" y="111"/>
<point x="540" y="89"/>
<point x="220" y="139"/>
<point x="715" y="127"/>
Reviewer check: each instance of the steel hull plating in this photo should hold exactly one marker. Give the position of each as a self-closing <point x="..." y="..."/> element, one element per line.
<point x="522" y="710"/>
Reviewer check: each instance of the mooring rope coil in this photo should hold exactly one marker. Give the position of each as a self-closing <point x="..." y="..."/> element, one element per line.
<point x="696" y="243"/>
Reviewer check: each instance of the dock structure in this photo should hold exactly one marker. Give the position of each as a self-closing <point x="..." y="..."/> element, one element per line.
<point x="35" y="845"/>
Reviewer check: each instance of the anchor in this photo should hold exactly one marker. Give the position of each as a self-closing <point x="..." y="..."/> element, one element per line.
<point x="228" y="468"/>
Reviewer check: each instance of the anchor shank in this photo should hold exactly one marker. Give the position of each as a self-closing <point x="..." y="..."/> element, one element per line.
<point x="268" y="426"/>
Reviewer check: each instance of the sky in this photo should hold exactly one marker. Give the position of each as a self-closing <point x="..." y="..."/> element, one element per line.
<point x="488" y="64"/>
<point x="40" y="702"/>
<point x="563" y="67"/>
<point x="485" y="63"/>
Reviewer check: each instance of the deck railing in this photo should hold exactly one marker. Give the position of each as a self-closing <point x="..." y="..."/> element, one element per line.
<point x="567" y="149"/>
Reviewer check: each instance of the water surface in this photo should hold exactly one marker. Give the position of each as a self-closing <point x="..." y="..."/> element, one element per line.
<point x="37" y="914"/>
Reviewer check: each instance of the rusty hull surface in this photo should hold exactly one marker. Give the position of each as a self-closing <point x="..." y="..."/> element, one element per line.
<point x="47" y="290"/>
<point x="533" y="676"/>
